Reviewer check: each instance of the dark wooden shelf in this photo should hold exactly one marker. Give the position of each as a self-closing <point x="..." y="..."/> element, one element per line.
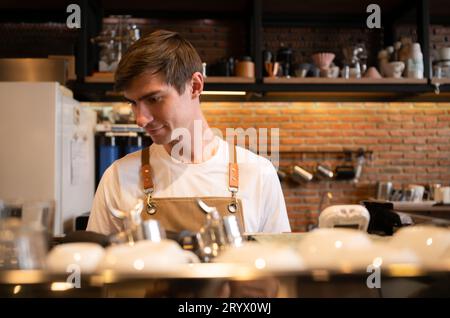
<point x="295" y="89"/>
<point x="345" y="81"/>
<point x="440" y="81"/>
<point x="108" y="78"/>
<point x="228" y="80"/>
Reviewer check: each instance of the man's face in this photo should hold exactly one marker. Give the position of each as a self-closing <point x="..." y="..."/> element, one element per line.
<point x="157" y="106"/>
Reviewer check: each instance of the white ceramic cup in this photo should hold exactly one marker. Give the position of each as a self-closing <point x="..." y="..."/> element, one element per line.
<point x="428" y="242"/>
<point x="85" y="255"/>
<point x="332" y="248"/>
<point x="418" y="192"/>
<point x="442" y="195"/>
<point x="268" y="256"/>
<point x="444" y="53"/>
<point x="146" y="256"/>
<point x="395" y="69"/>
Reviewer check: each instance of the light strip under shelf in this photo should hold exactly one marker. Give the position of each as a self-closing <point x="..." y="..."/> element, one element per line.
<point x="233" y="93"/>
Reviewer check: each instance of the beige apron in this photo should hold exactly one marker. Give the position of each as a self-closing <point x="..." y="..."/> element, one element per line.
<point x="178" y="214"/>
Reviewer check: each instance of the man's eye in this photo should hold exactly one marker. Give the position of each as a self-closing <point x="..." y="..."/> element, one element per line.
<point x="155" y="99"/>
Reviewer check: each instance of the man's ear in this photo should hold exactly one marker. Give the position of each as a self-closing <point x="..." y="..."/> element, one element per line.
<point x="197" y="84"/>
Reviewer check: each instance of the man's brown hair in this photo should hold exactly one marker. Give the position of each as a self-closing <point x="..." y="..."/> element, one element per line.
<point x="161" y="52"/>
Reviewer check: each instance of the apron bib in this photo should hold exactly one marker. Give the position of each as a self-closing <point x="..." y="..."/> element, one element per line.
<point x="179" y="214"/>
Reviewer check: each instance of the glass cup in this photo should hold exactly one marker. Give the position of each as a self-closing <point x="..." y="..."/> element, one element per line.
<point x="153" y="231"/>
<point x="409" y="195"/>
<point x="384" y="190"/>
<point x="232" y="230"/>
<point x="22" y="245"/>
<point x="437" y="71"/>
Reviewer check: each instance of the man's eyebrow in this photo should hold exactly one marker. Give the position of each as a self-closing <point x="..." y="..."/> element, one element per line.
<point x="128" y="100"/>
<point x="148" y="95"/>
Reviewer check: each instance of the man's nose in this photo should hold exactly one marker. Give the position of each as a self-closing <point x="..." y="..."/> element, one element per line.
<point x="143" y="116"/>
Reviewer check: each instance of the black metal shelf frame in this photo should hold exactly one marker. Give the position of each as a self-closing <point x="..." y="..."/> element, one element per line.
<point x="256" y="20"/>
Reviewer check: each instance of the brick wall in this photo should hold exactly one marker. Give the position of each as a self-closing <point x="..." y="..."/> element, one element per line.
<point x="410" y="144"/>
<point x="214" y="39"/>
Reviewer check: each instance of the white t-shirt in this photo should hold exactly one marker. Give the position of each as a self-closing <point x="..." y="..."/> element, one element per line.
<point x="259" y="187"/>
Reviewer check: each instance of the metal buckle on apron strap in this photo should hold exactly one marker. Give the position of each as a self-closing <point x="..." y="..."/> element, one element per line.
<point x="233" y="206"/>
<point x="151" y="205"/>
<point x="233" y="180"/>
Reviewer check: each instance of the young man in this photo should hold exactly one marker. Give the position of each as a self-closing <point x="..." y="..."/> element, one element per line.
<point x="161" y="77"/>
